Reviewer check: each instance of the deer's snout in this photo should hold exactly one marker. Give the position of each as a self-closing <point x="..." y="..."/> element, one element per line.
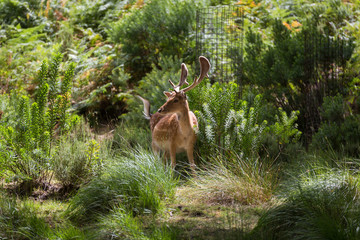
<point x="160" y="110"/>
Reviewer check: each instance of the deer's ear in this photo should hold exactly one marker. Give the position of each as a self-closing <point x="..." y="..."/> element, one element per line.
<point x="167" y="94"/>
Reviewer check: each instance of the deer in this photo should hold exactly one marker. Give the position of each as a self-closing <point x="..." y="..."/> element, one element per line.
<point x="173" y="127"/>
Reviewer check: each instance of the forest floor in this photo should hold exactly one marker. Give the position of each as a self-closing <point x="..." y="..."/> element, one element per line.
<point x="197" y="217"/>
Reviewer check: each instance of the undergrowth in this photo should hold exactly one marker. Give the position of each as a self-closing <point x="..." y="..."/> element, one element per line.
<point x="138" y="182"/>
<point x="322" y="204"/>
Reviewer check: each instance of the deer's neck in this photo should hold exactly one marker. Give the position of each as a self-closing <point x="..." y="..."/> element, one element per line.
<point x="184" y="119"/>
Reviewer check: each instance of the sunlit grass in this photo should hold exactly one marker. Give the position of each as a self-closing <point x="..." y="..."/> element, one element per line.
<point x="320" y="203"/>
<point x="138" y="181"/>
<point x="234" y="179"/>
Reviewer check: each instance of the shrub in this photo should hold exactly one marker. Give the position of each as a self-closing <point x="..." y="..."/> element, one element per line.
<point x="294" y="69"/>
<point x="19" y="12"/>
<point x="339" y="130"/>
<point x="138" y="182"/>
<point x="320" y="206"/>
<point x="25" y="147"/>
<point x="138" y="32"/>
<point x="229" y="124"/>
<point x="95" y="14"/>
<point x="75" y="162"/>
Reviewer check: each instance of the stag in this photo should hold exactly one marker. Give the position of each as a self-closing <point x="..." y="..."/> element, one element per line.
<point x="173" y="126"/>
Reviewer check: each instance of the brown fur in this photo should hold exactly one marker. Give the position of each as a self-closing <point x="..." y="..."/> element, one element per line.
<point x="173" y="127"/>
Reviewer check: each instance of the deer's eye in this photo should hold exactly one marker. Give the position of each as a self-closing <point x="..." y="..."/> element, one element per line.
<point x="176" y="100"/>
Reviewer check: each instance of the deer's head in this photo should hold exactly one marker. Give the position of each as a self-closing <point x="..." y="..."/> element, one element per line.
<point x="177" y="100"/>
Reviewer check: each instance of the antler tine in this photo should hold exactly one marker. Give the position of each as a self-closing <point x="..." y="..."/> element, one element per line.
<point x="184" y="73"/>
<point x="204" y="69"/>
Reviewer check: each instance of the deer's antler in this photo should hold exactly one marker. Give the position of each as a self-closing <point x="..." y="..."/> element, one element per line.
<point x="204" y="69"/>
<point x="184" y="73"/>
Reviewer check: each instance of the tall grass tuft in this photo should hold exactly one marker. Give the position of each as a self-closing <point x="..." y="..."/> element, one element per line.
<point x="138" y="181"/>
<point x="319" y="206"/>
<point x="236" y="179"/>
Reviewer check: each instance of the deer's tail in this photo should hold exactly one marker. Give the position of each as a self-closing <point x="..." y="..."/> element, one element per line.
<point x="146" y="103"/>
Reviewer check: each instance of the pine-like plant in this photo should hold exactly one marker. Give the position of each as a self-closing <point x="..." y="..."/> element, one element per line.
<point x="25" y="149"/>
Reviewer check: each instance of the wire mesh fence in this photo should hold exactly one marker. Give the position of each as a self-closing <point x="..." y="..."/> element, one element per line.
<point x="219" y="37"/>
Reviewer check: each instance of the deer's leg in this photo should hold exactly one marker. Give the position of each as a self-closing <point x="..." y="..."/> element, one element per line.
<point x="173" y="155"/>
<point x="190" y="155"/>
<point x="165" y="157"/>
<point x="155" y="149"/>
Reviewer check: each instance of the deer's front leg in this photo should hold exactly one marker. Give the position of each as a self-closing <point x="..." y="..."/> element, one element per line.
<point x="173" y="155"/>
<point x="190" y="155"/>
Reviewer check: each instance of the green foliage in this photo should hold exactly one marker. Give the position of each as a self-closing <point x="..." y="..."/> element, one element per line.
<point x="229" y="124"/>
<point x="19" y="12"/>
<point x="26" y="148"/>
<point x="226" y="123"/>
<point x="243" y="131"/>
<point x="95" y="14"/>
<point x="137" y="182"/>
<point x="21" y="221"/>
<point x="320" y="206"/>
<point x="285" y="127"/>
<point x="120" y="224"/>
<point x="281" y="139"/>
<point x="215" y="102"/>
<point x="291" y="79"/>
<point x="75" y="162"/>
<point x="138" y="34"/>
<point x="339" y="131"/>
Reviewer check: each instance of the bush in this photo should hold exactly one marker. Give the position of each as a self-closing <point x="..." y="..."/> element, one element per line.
<point x="138" y="32"/>
<point x="138" y="182"/>
<point x="25" y="147"/>
<point x="339" y="131"/>
<point x="94" y="14"/>
<point x="75" y="162"/>
<point x="231" y="125"/>
<point x="19" y="12"/>
<point x="295" y="68"/>
<point x="320" y="206"/>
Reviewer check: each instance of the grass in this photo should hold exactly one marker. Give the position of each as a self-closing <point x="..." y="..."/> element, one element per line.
<point x="234" y="179"/>
<point x="323" y="203"/>
<point x="34" y="220"/>
<point x="139" y="182"/>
